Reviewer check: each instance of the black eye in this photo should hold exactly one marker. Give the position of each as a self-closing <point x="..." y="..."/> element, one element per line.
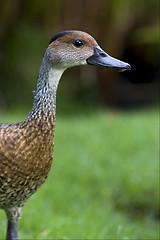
<point x="78" y="43"/>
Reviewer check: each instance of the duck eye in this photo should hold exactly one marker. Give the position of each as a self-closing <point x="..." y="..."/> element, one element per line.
<point x="78" y="43"/>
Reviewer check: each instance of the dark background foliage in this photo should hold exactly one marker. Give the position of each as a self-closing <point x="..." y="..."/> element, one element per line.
<point x="126" y="29"/>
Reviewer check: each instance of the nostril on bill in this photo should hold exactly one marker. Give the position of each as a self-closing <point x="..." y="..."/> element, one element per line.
<point x="103" y="54"/>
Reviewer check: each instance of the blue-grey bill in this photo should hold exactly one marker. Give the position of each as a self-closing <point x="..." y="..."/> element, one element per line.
<point x="101" y="58"/>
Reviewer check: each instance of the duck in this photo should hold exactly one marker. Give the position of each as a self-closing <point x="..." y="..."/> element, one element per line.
<point x="26" y="148"/>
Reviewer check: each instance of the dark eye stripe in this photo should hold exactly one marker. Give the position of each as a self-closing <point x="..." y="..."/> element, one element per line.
<point x="78" y="43"/>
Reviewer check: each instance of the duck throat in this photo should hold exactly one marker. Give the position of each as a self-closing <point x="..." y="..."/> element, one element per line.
<point x="45" y="95"/>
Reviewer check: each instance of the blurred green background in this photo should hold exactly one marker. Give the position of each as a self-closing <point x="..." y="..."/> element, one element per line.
<point x="104" y="179"/>
<point x="126" y="29"/>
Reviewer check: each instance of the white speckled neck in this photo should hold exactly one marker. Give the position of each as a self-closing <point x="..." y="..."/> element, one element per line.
<point x="45" y="94"/>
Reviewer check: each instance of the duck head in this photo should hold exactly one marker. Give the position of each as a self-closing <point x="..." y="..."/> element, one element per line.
<point x="72" y="48"/>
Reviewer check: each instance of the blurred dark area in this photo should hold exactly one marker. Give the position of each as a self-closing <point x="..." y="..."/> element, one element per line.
<point x="126" y="29"/>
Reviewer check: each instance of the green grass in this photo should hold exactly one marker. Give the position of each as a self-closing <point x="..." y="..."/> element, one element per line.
<point x="104" y="179"/>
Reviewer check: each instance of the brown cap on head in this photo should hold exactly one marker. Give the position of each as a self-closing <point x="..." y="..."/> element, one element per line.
<point x="73" y="34"/>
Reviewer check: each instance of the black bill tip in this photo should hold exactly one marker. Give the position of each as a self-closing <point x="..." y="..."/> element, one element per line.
<point x="127" y="67"/>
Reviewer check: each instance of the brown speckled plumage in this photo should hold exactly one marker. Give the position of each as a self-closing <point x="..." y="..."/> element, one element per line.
<point x="26" y="153"/>
<point x="26" y="148"/>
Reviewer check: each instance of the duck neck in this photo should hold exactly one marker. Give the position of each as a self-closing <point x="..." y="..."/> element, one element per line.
<point x="44" y="105"/>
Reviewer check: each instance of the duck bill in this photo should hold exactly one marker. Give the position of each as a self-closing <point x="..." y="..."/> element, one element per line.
<point x="101" y="58"/>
